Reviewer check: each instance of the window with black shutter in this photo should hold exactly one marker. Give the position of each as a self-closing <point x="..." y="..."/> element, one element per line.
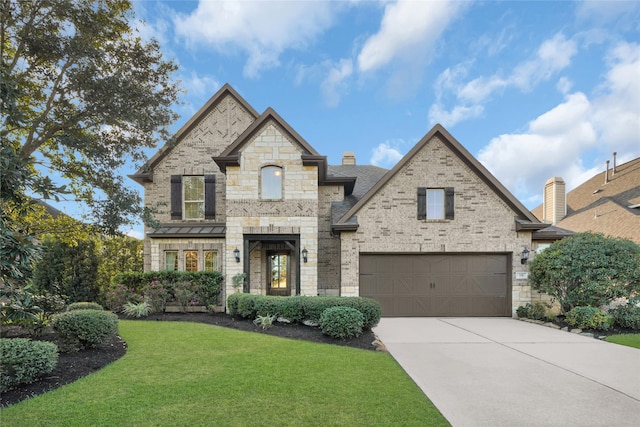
<point x="435" y="203"/>
<point x="193" y="197"/>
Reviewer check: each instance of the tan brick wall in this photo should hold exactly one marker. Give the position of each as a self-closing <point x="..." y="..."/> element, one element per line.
<point x="328" y="245"/>
<point x="193" y="155"/>
<point x="388" y="222"/>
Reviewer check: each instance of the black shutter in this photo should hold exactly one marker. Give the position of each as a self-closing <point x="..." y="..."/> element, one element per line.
<point x="422" y="203"/>
<point x="448" y="203"/>
<point x="176" y="196"/>
<point x="209" y="197"/>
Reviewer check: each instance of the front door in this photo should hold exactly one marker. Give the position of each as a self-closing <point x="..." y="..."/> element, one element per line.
<point x="278" y="279"/>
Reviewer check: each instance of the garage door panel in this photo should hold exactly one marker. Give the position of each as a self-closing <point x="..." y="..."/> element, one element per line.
<point x="437" y="285"/>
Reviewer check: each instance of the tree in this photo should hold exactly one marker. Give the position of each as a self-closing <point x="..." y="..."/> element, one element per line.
<point x="587" y="269"/>
<point x="68" y="271"/>
<point x="118" y="254"/>
<point x="81" y="95"/>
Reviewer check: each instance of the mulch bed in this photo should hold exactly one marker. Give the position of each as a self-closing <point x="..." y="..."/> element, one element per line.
<point x="72" y="366"/>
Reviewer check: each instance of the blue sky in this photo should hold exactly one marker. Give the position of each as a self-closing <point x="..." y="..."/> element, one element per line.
<point x="532" y="89"/>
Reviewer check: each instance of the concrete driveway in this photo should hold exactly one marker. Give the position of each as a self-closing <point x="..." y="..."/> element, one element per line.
<point x="504" y="372"/>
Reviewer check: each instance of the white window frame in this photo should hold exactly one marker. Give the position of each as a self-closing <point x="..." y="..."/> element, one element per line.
<point x="435" y="208"/>
<point x="192" y="201"/>
<point x="278" y="171"/>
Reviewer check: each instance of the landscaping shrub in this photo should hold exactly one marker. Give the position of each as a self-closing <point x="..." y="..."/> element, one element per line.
<point x="589" y="318"/>
<point x="23" y="361"/>
<point x="538" y="310"/>
<point x="202" y="287"/>
<point x="290" y="308"/>
<point x="142" y="309"/>
<point x="626" y="316"/>
<point x="313" y="307"/>
<point x="267" y="305"/>
<point x="341" y="322"/>
<point x="587" y="269"/>
<point x="80" y="329"/>
<point x="84" y="306"/>
<point x="246" y="305"/>
<point x="232" y="303"/>
<point x="370" y="309"/>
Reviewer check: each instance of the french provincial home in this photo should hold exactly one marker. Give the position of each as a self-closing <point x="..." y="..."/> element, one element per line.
<point x="243" y="192"/>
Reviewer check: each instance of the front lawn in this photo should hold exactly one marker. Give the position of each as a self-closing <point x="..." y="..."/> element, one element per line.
<point x="631" y="340"/>
<point x="193" y="374"/>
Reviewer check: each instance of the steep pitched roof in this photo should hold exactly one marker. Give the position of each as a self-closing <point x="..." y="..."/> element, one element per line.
<point x="310" y="157"/>
<point x="524" y="220"/>
<point x="366" y="177"/>
<point x="144" y="174"/>
<point x="606" y="208"/>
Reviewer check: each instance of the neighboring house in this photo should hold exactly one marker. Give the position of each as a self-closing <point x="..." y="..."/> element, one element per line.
<point x="608" y="203"/>
<point x="243" y="192"/>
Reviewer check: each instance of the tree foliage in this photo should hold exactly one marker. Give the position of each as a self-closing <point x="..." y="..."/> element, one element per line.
<point x="81" y="95"/>
<point x="587" y="269"/>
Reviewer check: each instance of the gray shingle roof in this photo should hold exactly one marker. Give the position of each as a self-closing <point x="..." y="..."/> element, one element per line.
<point x="366" y="177"/>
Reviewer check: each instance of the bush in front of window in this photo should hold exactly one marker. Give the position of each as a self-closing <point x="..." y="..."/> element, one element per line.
<point x="162" y="287"/>
<point x="341" y="322"/>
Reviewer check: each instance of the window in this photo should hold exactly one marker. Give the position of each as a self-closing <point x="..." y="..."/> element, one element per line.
<point x="435" y="203"/>
<point x="272" y="182"/>
<point x="193" y="197"/>
<point x="210" y="260"/>
<point x="193" y="191"/>
<point x="191" y="261"/>
<point x="171" y="260"/>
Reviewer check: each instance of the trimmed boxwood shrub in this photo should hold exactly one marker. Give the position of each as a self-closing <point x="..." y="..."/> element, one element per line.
<point x="23" y="361"/>
<point x="80" y="329"/>
<point x="627" y="316"/>
<point x="300" y="308"/>
<point x="341" y="322"/>
<point x="84" y="306"/>
<point x="589" y="318"/>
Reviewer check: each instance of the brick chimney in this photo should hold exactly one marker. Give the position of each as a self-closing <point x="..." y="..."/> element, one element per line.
<point x="554" y="201"/>
<point x="348" y="158"/>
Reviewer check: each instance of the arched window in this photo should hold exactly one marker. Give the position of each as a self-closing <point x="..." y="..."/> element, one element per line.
<point x="272" y="182"/>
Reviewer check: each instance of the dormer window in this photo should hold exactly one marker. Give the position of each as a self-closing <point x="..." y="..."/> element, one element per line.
<point x="271" y="182"/>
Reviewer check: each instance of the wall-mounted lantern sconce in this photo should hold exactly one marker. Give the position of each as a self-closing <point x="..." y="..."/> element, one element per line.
<point x="525" y="256"/>
<point x="305" y="254"/>
<point x="236" y="253"/>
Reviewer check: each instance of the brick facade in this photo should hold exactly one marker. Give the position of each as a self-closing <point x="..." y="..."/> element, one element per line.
<point x="303" y="218"/>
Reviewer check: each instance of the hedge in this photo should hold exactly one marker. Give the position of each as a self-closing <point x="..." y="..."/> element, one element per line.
<point x="84" y="306"/>
<point x="300" y="308"/>
<point x="23" y="361"/>
<point x="134" y="286"/>
<point x="341" y="322"/>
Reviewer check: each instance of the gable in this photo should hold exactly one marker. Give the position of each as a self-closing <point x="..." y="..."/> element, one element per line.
<point x="212" y="129"/>
<point x="408" y="166"/>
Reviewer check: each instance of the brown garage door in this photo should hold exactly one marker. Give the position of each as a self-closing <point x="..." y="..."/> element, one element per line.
<point x="438" y="285"/>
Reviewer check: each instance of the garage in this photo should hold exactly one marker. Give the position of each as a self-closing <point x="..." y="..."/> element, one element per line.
<point x="452" y="285"/>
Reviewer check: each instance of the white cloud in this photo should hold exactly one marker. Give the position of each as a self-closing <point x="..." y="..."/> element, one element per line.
<point x="262" y="30"/>
<point x="334" y="85"/>
<point x="385" y="155"/>
<point x="552" y="56"/>
<point x="458" y="114"/>
<point x="556" y="141"/>
<point x="136" y="234"/>
<point x="407" y="28"/>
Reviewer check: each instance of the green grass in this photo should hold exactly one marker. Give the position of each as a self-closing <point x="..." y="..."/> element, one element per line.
<point x="631" y="340"/>
<point x="178" y="374"/>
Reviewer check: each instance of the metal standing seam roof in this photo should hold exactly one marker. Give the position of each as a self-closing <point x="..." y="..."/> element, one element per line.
<point x="184" y="230"/>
